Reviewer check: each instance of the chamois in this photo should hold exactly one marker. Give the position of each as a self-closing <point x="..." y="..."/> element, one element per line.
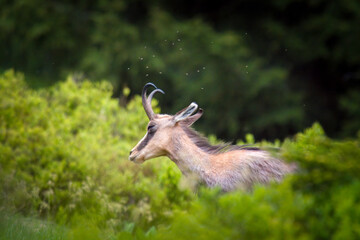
<point x="226" y="166"/>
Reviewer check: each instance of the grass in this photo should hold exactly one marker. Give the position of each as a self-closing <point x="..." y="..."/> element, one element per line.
<point x="15" y="227"/>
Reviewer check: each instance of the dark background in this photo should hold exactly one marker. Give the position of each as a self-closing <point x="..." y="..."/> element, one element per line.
<point x="271" y="68"/>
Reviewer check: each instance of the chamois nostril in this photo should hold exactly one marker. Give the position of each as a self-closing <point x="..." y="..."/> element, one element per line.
<point x="130" y="152"/>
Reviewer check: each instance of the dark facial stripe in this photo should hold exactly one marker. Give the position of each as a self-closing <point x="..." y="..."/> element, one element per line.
<point x="149" y="136"/>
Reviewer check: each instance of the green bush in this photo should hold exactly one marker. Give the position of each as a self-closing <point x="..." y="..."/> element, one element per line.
<point x="322" y="201"/>
<point x="63" y="157"/>
<point x="64" y="152"/>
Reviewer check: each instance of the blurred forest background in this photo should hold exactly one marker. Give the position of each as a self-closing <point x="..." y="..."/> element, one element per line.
<point x="70" y="77"/>
<point x="271" y="68"/>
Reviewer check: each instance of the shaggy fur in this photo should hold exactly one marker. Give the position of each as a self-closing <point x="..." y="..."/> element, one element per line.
<point x="202" y="143"/>
<point x="228" y="166"/>
<point x="225" y="165"/>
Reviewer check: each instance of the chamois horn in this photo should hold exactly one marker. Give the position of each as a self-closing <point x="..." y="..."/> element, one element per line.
<point x="146" y="101"/>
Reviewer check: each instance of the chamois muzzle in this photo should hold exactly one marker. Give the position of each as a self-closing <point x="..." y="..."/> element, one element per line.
<point x="146" y="101"/>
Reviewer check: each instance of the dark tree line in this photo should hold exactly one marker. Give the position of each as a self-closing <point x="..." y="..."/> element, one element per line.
<point x="266" y="67"/>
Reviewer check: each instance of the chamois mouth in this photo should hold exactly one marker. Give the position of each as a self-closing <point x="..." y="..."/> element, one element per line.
<point x="132" y="157"/>
<point x="135" y="159"/>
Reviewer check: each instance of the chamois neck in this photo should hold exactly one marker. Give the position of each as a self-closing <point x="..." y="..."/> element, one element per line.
<point x="238" y="168"/>
<point x="187" y="156"/>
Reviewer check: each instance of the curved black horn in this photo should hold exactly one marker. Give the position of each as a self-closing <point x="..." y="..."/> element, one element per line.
<point x="146" y="101"/>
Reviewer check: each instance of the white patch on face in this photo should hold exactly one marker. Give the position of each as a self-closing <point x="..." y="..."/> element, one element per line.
<point x="151" y="146"/>
<point x="134" y="152"/>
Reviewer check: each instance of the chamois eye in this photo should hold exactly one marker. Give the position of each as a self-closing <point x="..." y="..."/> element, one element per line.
<point x="151" y="128"/>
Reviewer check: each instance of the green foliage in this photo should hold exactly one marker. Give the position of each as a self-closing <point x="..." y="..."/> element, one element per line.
<point x="322" y="201"/>
<point x="270" y="70"/>
<point x="17" y="227"/>
<point x="64" y="153"/>
<point x="328" y="163"/>
<point x="315" y="41"/>
<point x="63" y="158"/>
<point x="263" y="214"/>
<point x="188" y="59"/>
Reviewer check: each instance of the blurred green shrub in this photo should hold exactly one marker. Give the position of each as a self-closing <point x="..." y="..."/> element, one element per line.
<point x="63" y="156"/>
<point x="64" y="152"/>
<point x="322" y="201"/>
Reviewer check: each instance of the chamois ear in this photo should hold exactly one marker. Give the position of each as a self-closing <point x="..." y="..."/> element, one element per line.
<point x="186" y="113"/>
<point x="190" y="120"/>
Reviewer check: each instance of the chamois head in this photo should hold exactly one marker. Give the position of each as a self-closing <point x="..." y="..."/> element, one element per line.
<point x="162" y="128"/>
